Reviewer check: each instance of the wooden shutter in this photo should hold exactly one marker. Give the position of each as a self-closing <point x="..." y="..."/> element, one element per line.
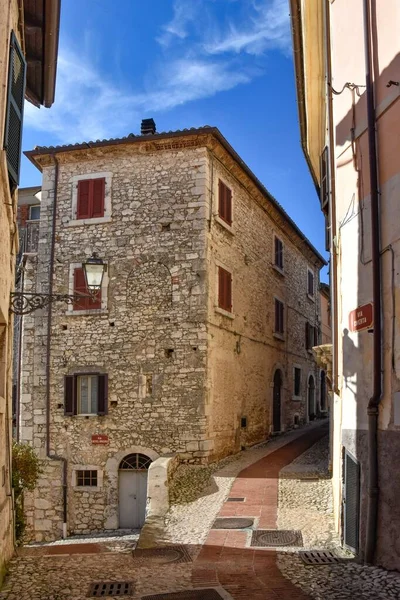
<point x="224" y="289"/>
<point x="307" y="335"/>
<point x="14" y="109"/>
<point x="98" y="197"/>
<point x="102" y="400"/>
<point x="278" y="316"/>
<point x="278" y="253"/>
<point x="83" y="210"/>
<point x="310" y="283"/>
<point x="80" y="287"/>
<point x="224" y="202"/>
<point x="69" y="395"/>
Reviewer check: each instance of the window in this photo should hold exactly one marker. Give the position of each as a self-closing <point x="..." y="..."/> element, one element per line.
<point x="34" y="212"/>
<point x="224" y="202"/>
<point x="86" y="394"/>
<point x="311" y="336"/>
<point x="224" y="289"/>
<point x="86" y="478"/>
<point x="324" y="183"/>
<point x="14" y="110"/>
<point x="297" y="382"/>
<point x="310" y="283"/>
<point x="87" y="302"/>
<point x="90" y="203"/>
<point x="279" y="327"/>
<point x="278" y="253"/>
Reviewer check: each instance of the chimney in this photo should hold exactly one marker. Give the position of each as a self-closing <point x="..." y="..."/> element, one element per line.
<point x="148" y="127"/>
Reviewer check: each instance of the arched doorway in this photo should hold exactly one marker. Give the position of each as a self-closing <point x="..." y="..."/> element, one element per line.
<point x="277" y="402"/>
<point x="323" y="391"/>
<point x="132" y="484"/>
<point x="311" y="398"/>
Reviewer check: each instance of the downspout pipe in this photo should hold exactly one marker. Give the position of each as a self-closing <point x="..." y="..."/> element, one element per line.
<point x="49" y="454"/>
<point x="373" y="405"/>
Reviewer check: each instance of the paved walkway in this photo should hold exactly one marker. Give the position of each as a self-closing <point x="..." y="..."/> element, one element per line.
<point x="225" y="561"/>
<point x="226" y="558"/>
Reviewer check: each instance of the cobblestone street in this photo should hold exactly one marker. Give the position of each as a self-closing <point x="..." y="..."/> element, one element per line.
<point x="269" y="479"/>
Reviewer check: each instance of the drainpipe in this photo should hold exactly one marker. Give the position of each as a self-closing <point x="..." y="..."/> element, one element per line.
<point x="50" y="455"/>
<point x="373" y="405"/>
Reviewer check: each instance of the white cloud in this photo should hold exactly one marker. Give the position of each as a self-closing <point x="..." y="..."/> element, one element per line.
<point x="267" y="28"/>
<point x="90" y="107"/>
<point x="184" y="13"/>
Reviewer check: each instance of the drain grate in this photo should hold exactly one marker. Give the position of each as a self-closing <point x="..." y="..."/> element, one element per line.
<point x="235" y="500"/>
<point x="163" y="555"/>
<point x="206" y="594"/>
<point x="232" y="523"/>
<point x="100" y="589"/>
<point x="320" y="557"/>
<point x="276" y="537"/>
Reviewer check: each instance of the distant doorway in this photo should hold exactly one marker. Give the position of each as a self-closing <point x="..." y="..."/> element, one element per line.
<point x="323" y="392"/>
<point x="311" y="398"/>
<point x="132" y="475"/>
<point x="277" y="402"/>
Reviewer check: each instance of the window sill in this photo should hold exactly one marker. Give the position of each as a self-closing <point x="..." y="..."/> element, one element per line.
<point x="279" y="336"/>
<point x="224" y="312"/>
<point x="94" y="221"/>
<point x="83" y="313"/>
<point x="312" y="298"/>
<point x="278" y="270"/>
<point x="224" y="224"/>
<point x="86" y="488"/>
<point x="297" y="398"/>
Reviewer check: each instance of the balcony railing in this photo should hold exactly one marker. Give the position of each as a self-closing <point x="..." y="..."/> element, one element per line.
<point x="31" y="236"/>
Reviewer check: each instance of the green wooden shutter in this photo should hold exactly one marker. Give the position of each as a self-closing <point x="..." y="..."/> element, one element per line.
<point x="14" y="109"/>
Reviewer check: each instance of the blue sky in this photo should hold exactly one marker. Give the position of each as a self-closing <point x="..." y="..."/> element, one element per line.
<point x="186" y="63"/>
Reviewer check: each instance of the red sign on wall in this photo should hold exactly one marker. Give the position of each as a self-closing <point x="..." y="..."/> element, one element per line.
<point x="362" y="317"/>
<point x="99" y="438"/>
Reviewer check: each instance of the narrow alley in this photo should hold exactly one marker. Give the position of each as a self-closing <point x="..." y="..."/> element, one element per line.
<point x="205" y="561"/>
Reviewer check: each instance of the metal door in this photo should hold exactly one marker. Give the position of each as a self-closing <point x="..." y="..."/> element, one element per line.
<point x="351" y="501"/>
<point x="132" y="498"/>
<point x="276" y="404"/>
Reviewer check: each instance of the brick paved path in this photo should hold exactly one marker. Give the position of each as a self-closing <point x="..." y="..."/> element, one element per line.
<point x="225" y="559"/>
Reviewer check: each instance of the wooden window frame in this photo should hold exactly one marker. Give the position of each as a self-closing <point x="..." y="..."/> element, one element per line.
<point x="311" y="295"/>
<point x="30" y="212"/>
<point x="90" y="378"/>
<point x="278" y="253"/>
<point x="279" y="313"/>
<point x="86" y="478"/>
<point x="225" y="203"/>
<point x="224" y="289"/>
<point x="90" y="212"/>
<point x="71" y="394"/>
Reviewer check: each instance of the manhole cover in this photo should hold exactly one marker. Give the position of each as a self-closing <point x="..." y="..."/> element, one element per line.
<point x="320" y="557"/>
<point x="163" y="555"/>
<point x="100" y="589"/>
<point x="232" y="523"/>
<point x="206" y="594"/>
<point x="235" y="500"/>
<point x="276" y="537"/>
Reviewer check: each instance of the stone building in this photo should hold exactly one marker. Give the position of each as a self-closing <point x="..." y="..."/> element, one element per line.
<point x="26" y="71"/>
<point x="200" y="341"/>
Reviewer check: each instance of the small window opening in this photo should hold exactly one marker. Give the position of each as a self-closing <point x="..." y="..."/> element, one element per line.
<point x="149" y="385"/>
<point x="296" y="419"/>
<point x="64" y="327"/>
<point x="86" y="478"/>
<point x="169" y="352"/>
<point x="243" y="422"/>
<point x="166" y="227"/>
<point x="111" y="323"/>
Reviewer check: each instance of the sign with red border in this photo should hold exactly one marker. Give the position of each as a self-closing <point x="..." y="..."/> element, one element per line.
<point x="362" y="317"/>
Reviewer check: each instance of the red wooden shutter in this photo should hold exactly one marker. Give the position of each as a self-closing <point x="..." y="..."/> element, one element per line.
<point x="98" y="197"/>
<point x="69" y="395"/>
<point x="102" y="399"/>
<point x="224" y="289"/>
<point x="224" y="202"/>
<point x="94" y="302"/>
<point x="221" y="288"/>
<point x="83" y="206"/>
<point x="80" y="287"/>
<point x="221" y="199"/>
<point x="228" y="205"/>
<point x="228" y="293"/>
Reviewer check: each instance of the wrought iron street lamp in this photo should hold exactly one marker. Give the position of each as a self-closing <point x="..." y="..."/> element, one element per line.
<point x="23" y="303"/>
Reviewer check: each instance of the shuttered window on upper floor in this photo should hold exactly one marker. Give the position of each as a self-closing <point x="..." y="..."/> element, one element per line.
<point x="224" y="289"/>
<point x="278" y="253"/>
<point x="279" y="317"/>
<point x="14" y="110"/>
<point x="86" y="301"/>
<point x="224" y="202"/>
<point x="86" y="394"/>
<point x="91" y="193"/>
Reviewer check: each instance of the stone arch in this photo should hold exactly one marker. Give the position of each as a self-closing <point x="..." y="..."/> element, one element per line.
<point x="111" y="471"/>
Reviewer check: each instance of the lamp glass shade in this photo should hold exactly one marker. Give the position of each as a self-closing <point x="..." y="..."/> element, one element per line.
<point x="94" y="270"/>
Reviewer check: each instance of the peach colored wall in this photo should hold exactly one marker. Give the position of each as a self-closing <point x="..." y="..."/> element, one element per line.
<point x="326" y="332"/>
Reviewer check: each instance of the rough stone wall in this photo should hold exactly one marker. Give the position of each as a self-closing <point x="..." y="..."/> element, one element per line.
<point x="152" y="325"/>
<point x="8" y="247"/>
<point x="243" y="351"/>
